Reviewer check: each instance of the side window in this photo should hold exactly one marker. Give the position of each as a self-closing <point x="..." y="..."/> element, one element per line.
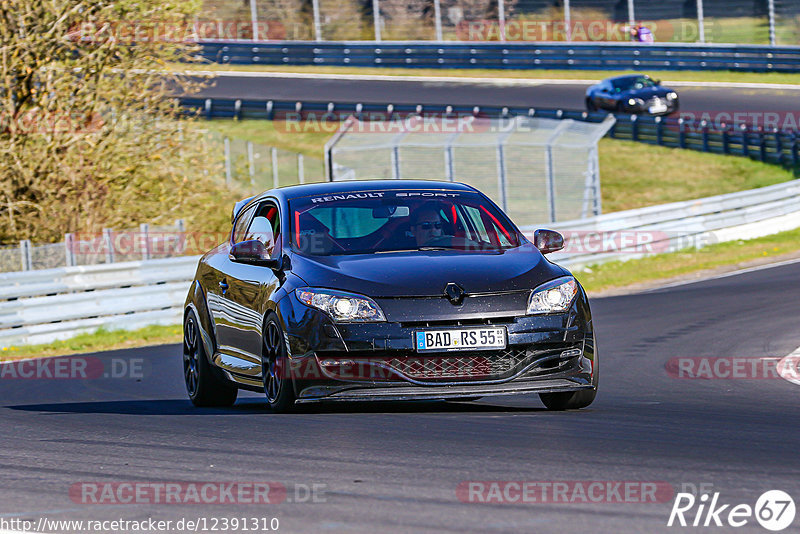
<point x="242" y="222"/>
<point x="266" y="227"/>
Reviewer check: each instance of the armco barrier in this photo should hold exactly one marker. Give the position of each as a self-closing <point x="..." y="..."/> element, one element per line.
<point x="42" y="306"/>
<point x="771" y="146"/>
<point x="509" y="55"/>
<point x="678" y="225"/>
<point x="39" y="306"/>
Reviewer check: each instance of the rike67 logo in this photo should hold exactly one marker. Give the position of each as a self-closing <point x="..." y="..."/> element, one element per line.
<point x="774" y="510"/>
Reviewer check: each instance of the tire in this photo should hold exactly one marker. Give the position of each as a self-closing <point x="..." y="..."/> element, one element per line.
<point x="577" y="399"/>
<point x="203" y="384"/>
<point x="278" y="385"/>
<point x="590" y="105"/>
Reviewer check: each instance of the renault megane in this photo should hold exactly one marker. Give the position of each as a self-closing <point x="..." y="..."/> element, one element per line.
<point x="385" y="290"/>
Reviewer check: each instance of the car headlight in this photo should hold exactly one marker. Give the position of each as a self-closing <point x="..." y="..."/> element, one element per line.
<point x="342" y="306"/>
<point x="672" y="96"/>
<point x="554" y="296"/>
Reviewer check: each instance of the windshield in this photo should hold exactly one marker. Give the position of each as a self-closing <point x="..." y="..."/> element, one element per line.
<point x="366" y="222"/>
<point x="632" y="82"/>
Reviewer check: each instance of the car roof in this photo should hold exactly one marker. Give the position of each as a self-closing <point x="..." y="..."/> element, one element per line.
<point x="625" y="76"/>
<point x="348" y="186"/>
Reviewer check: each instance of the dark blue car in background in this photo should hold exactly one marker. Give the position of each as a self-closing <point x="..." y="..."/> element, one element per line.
<point x="632" y="93"/>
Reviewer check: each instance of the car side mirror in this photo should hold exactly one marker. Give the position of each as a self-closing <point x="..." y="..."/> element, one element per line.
<point x="548" y="241"/>
<point x="657" y="82"/>
<point x="253" y="252"/>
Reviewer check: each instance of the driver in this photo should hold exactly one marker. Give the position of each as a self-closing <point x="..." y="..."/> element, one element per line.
<point x="426" y="225"/>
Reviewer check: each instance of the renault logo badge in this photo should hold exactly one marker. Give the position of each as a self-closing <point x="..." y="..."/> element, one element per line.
<point x="454" y="293"/>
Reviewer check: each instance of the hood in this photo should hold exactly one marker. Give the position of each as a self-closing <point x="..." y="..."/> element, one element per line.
<point x="646" y="93"/>
<point x="418" y="274"/>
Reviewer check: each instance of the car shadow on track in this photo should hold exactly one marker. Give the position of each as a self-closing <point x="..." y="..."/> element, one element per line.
<point x="250" y="406"/>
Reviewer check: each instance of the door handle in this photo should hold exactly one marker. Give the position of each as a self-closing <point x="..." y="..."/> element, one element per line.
<point x="224" y="286"/>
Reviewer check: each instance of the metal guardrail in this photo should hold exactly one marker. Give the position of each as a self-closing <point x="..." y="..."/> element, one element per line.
<point x="770" y="146"/>
<point x="679" y="225"/>
<point x="40" y="306"/>
<point x="497" y="55"/>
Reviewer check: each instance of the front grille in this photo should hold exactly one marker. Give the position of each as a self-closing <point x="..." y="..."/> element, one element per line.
<point x="477" y="365"/>
<point x="442" y="368"/>
<point x="459" y="322"/>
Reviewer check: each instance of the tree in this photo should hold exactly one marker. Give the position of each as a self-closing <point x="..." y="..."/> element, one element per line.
<point x="89" y="135"/>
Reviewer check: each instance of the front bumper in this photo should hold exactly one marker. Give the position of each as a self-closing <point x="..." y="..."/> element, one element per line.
<point x="549" y="353"/>
<point x="655" y="106"/>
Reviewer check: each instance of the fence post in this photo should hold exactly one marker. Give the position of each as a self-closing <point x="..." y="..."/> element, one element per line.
<point x="376" y="17"/>
<point x="631" y="14"/>
<point x="501" y="176"/>
<point x="551" y="181"/>
<point x="144" y="236"/>
<point x="254" y="19"/>
<point x="449" y="166"/>
<point x="69" y="249"/>
<point x="501" y="16"/>
<point x="634" y="127"/>
<point x="659" y="131"/>
<point x="395" y="160"/>
<point x="745" y="141"/>
<point x="779" y="147"/>
<point x="251" y="163"/>
<point x="771" y="5"/>
<point x="109" y="242"/>
<point x="704" y="124"/>
<point x="208" y="108"/>
<point x="795" y="151"/>
<point x="437" y="13"/>
<point x="726" y="140"/>
<point x="762" y="146"/>
<point x="598" y="197"/>
<point x="228" y="175"/>
<point x="25" y="255"/>
<point x="301" y="171"/>
<point x="681" y="134"/>
<point x="317" y="25"/>
<point x="274" y="153"/>
<point x="568" y="20"/>
<point x="701" y="22"/>
<point x="180" y="245"/>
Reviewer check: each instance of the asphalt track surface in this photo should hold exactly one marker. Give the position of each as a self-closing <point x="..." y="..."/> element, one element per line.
<point x="396" y="467"/>
<point x="694" y="99"/>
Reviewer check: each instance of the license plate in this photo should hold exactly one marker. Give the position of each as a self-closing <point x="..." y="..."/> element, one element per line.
<point x="460" y="339"/>
<point x="658" y="107"/>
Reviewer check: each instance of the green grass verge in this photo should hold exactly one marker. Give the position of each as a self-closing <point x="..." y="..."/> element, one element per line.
<point x="595" y="278"/>
<point x="100" y="340"/>
<point x="634" y="175"/>
<point x="625" y="273"/>
<point x="532" y="74"/>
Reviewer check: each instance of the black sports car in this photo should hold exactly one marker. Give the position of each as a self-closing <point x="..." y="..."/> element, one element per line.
<point x="632" y="93"/>
<point x="385" y="290"/>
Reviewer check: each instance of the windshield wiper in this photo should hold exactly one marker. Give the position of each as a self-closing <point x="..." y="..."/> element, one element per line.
<point x="411" y="250"/>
